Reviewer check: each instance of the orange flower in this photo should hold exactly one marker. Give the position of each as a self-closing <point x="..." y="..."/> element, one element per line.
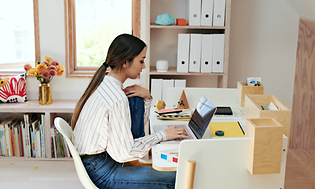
<point x="60" y="70"/>
<point x="52" y="72"/>
<point x="41" y="68"/>
<point x="31" y="71"/>
<point x="48" y="59"/>
<point x="54" y="62"/>
<point x="45" y="74"/>
<point x="52" y="67"/>
<point x="27" y="67"/>
<point x="46" y="63"/>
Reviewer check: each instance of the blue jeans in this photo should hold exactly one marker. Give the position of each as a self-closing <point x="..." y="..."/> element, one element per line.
<point x="107" y="173"/>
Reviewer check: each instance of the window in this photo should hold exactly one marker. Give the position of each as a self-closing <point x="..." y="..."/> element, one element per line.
<point x="19" y="35"/>
<point x="91" y="26"/>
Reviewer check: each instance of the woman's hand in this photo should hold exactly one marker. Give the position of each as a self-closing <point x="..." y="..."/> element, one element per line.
<point x="175" y="132"/>
<point x="136" y="90"/>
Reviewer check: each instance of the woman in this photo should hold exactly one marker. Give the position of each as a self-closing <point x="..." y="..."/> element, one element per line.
<point x="106" y="135"/>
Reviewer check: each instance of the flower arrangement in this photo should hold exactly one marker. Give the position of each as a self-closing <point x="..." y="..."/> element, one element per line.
<point x="45" y="70"/>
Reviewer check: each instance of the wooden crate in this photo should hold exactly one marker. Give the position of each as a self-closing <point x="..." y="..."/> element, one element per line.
<point x="243" y="89"/>
<point x="265" y="145"/>
<point x="253" y="109"/>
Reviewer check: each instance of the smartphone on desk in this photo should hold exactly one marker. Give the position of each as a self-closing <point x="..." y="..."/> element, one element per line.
<point x="167" y="111"/>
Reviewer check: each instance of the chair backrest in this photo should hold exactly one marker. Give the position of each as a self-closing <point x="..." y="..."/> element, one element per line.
<point x="65" y="129"/>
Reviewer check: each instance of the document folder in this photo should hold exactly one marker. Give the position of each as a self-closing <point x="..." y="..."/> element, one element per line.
<point x="218" y="53"/>
<point x="156" y="90"/>
<point x="218" y="12"/>
<point x="183" y="52"/>
<point x="206" y="12"/>
<point x="194" y="9"/>
<point x="167" y="83"/>
<point x="180" y="83"/>
<point x="195" y="52"/>
<point x="206" y="53"/>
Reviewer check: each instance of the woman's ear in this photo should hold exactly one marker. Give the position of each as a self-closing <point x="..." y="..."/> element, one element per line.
<point x="126" y="64"/>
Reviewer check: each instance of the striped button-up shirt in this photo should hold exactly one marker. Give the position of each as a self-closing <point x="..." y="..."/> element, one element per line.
<point x="104" y="124"/>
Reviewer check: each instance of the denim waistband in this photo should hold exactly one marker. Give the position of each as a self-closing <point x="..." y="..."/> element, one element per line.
<point x="86" y="156"/>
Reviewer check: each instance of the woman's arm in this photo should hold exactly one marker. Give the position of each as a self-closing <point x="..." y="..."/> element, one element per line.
<point x="121" y="145"/>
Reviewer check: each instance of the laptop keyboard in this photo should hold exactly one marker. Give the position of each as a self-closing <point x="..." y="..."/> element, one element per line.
<point x="185" y="127"/>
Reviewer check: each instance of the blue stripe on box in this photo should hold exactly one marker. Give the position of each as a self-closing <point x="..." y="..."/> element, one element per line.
<point x="163" y="156"/>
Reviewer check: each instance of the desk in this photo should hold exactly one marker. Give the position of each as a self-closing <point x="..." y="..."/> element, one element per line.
<point x="218" y="96"/>
<point x="225" y="165"/>
<point x="162" y="165"/>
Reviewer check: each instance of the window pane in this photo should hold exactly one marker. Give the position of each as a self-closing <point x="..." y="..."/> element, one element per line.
<point x="98" y="22"/>
<point x="17" y="42"/>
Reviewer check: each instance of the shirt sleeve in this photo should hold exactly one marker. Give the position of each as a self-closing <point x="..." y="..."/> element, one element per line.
<point x="121" y="145"/>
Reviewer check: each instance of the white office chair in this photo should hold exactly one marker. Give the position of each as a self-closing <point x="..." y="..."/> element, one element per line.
<point x="65" y="129"/>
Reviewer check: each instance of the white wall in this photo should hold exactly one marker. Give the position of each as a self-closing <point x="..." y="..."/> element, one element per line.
<point x="263" y="43"/>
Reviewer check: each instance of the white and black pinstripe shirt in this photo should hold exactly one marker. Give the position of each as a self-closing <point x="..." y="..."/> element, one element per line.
<point x="104" y="124"/>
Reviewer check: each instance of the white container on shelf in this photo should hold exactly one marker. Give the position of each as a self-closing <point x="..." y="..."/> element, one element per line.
<point x="162" y="65"/>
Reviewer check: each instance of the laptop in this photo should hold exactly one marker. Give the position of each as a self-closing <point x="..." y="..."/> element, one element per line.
<point x="199" y="121"/>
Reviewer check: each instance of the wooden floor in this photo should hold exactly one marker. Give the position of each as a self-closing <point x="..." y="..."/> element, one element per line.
<point x="31" y="174"/>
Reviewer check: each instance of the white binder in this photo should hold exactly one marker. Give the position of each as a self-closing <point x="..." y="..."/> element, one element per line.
<point x="206" y="12"/>
<point x="195" y="52"/>
<point x="156" y="90"/>
<point x="218" y="12"/>
<point x="180" y="83"/>
<point x="183" y="52"/>
<point x="218" y="53"/>
<point x="194" y="9"/>
<point x="206" y="53"/>
<point x="167" y="83"/>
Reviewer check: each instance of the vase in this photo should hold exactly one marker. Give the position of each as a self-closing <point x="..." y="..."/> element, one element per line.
<point x="45" y="94"/>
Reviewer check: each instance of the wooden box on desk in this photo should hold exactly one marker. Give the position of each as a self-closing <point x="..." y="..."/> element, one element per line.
<point x="243" y="89"/>
<point x="253" y="109"/>
<point x="265" y="145"/>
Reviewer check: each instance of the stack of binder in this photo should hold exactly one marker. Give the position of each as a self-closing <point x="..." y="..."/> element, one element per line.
<point x="159" y="87"/>
<point x="200" y="53"/>
<point x="206" y="12"/>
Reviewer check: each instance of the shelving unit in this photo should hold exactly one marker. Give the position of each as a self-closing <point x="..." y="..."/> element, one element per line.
<point x="162" y="44"/>
<point x="62" y="108"/>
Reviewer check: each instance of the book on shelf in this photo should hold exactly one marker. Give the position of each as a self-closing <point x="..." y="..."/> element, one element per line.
<point x="3" y="136"/>
<point x="42" y="135"/>
<point x="16" y="142"/>
<point x="53" y="143"/>
<point x="34" y="129"/>
<point x="27" y="148"/>
<point x="21" y="138"/>
<point x="8" y="137"/>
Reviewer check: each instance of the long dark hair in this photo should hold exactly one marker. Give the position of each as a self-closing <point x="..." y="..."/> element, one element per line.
<point x="124" y="47"/>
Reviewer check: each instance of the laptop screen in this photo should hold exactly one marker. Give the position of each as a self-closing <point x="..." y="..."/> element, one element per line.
<point x="201" y="117"/>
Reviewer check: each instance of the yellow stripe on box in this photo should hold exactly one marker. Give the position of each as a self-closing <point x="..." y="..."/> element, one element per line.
<point x="231" y="129"/>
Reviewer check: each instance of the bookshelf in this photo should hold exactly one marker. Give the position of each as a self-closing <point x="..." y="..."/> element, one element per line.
<point x="61" y="108"/>
<point x="162" y="44"/>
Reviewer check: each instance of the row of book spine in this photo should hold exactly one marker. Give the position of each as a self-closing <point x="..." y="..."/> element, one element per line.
<point x="59" y="147"/>
<point x="26" y="138"/>
<point x="23" y="137"/>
